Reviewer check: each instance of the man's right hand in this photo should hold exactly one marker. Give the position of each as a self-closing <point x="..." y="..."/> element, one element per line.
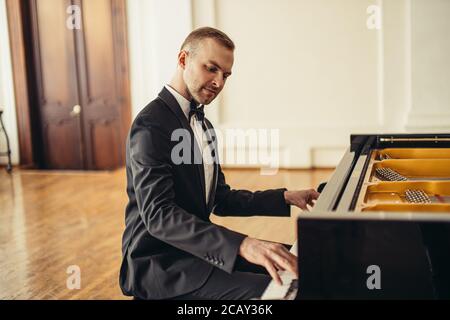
<point x="272" y="256"/>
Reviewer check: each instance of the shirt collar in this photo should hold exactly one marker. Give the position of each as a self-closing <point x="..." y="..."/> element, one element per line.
<point x="182" y="101"/>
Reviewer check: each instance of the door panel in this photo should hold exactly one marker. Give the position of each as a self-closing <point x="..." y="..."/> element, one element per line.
<point x="99" y="89"/>
<point x="61" y="156"/>
<point x="56" y="80"/>
<point x="104" y="136"/>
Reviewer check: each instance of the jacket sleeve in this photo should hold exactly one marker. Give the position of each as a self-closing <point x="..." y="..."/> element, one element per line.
<point x="246" y="203"/>
<point x="153" y="182"/>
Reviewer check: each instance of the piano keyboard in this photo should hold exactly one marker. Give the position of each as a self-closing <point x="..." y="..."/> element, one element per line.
<point x="287" y="291"/>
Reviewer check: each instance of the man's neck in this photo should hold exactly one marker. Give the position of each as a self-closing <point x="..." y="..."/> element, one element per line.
<point x="180" y="87"/>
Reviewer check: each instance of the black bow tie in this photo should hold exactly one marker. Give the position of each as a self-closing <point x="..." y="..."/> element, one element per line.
<point x="197" y="111"/>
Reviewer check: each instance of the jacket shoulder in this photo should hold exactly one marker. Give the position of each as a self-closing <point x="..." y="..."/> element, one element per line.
<point x="156" y="112"/>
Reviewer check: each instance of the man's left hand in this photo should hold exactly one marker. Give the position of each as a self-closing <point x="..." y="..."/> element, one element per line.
<point x="301" y="198"/>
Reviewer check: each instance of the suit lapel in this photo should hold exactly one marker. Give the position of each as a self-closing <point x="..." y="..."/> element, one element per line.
<point x="172" y="103"/>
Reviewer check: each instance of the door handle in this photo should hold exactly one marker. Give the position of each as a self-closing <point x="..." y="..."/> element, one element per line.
<point x="75" y="111"/>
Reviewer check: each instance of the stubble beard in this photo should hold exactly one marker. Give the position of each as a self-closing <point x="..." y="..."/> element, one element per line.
<point x="198" y="100"/>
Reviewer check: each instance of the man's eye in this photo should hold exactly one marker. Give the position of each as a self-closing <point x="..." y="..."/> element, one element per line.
<point x="212" y="69"/>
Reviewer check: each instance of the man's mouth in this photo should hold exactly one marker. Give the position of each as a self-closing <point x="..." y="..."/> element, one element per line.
<point x="211" y="90"/>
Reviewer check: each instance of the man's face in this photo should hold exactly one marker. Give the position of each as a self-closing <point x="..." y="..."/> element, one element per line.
<point x="206" y="70"/>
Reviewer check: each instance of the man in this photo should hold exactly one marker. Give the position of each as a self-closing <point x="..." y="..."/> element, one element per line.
<point x="170" y="247"/>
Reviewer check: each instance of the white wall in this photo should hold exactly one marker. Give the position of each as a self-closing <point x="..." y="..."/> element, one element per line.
<point x="156" y="30"/>
<point x="310" y="68"/>
<point x="316" y="72"/>
<point x="7" y="101"/>
<point x="430" y="67"/>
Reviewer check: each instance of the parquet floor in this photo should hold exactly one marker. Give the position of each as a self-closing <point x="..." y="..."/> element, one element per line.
<point x="50" y="221"/>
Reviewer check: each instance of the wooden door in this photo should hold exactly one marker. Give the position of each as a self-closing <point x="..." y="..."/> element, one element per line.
<point x="56" y="85"/>
<point x="86" y="126"/>
<point x="103" y="82"/>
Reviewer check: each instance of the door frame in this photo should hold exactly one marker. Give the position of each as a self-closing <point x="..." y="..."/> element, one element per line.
<point x="14" y="11"/>
<point x="28" y="134"/>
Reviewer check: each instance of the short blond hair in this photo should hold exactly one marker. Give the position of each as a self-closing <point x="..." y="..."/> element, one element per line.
<point x="193" y="39"/>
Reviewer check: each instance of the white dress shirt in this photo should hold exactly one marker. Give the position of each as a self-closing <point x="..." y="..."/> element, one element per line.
<point x="200" y="136"/>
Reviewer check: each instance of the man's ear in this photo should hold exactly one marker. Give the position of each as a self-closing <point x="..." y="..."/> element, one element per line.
<point x="182" y="57"/>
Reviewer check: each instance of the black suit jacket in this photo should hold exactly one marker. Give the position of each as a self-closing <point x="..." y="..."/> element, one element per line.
<point x="169" y="245"/>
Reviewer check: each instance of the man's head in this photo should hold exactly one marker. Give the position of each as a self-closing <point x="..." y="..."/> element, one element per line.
<point x="204" y="63"/>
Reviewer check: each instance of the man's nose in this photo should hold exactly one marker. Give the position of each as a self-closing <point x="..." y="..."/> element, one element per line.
<point x="218" y="82"/>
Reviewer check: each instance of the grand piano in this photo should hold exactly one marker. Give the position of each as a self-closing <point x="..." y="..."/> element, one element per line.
<point x="381" y="226"/>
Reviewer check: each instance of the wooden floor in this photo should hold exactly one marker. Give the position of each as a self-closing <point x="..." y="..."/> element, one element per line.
<point x="52" y="220"/>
